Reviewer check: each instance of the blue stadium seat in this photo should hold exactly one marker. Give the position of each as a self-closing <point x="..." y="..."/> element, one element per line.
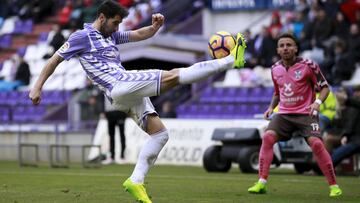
<point x="4" y="114"/>
<point x="28" y="113"/>
<point x="5" y="41"/>
<point x="22" y="27"/>
<point x="43" y="37"/>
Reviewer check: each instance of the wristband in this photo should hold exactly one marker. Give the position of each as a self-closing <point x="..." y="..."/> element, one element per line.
<point x="318" y="101"/>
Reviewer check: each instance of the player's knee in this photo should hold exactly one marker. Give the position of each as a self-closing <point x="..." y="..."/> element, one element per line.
<point x="269" y="138"/>
<point x="163" y="137"/>
<point x="316" y="145"/>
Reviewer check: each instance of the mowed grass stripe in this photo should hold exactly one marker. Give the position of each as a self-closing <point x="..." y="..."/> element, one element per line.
<point x="175" y="184"/>
<point x="216" y="176"/>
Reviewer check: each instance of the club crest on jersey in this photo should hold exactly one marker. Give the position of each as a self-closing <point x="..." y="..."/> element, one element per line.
<point x="64" y="47"/>
<point x="298" y="74"/>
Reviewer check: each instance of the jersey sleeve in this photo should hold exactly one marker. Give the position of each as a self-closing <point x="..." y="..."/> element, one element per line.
<point x="121" y="37"/>
<point x="76" y="44"/>
<point x="276" y="87"/>
<point x="317" y="77"/>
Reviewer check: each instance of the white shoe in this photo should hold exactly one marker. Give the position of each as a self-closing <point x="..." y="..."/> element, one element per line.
<point x="120" y="161"/>
<point x="107" y="161"/>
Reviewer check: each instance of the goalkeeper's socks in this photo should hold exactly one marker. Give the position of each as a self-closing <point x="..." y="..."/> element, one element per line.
<point x="202" y="70"/>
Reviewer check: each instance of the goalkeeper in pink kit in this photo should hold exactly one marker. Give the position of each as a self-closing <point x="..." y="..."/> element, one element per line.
<point x="295" y="82"/>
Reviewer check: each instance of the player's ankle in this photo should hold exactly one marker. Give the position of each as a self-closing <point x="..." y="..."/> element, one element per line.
<point x="262" y="180"/>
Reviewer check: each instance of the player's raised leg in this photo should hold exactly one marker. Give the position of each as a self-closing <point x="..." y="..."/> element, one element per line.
<point x="323" y="159"/>
<point x="202" y="70"/>
<point x="239" y="51"/>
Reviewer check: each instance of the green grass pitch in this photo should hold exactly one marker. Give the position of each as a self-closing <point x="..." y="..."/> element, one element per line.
<point x="164" y="183"/>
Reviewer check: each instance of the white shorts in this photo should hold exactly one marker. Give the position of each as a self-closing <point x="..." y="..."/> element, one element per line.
<point x="132" y="91"/>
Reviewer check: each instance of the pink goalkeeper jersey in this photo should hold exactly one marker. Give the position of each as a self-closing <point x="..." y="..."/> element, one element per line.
<point x="296" y="85"/>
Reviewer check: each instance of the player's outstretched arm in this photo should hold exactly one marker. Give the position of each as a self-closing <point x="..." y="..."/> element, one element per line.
<point x="35" y="92"/>
<point x="148" y="31"/>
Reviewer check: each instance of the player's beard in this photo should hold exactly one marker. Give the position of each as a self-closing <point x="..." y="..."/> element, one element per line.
<point x="288" y="56"/>
<point x="104" y="30"/>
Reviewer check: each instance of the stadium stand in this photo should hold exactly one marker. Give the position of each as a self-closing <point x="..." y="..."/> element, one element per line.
<point x="181" y="43"/>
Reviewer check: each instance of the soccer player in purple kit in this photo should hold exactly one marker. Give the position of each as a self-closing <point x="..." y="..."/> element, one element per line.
<point x="295" y="82"/>
<point x="129" y="91"/>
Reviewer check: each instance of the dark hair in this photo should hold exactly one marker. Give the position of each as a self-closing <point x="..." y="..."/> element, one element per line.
<point x="288" y="35"/>
<point x="111" y="8"/>
<point x="291" y="36"/>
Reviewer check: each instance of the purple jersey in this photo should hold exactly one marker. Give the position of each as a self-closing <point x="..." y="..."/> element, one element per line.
<point x="296" y="85"/>
<point x="98" y="56"/>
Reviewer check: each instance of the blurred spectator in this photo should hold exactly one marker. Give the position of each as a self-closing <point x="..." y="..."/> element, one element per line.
<point x="343" y="67"/>
<point x="115" y="118"/>
<point x="311" y="14"/>
<point x="41" y="8"/>
<point x="145" y="9"/>
<point x="36" y="9"/>
<point x="126" y="3"/>
<point x="64" y="15"/>
<point x="357" y="17"/>
<point x="298" y="24"/>
<point x="317" y="29"/>
<point x="332" y="135"/>
<point x="250" y="58"/>
<point x="92" y="102"/>
<point x="350" y="141"/>
<point x="341" y="57"/>
<point x="20" y="75"/>
<point x="25" y="10"/>
<point x="265" y="47"/>
<point x="302" y="7"/>
<point x="258" y="46"/>
<point x="331" y="7"/>
<point x="275" y="22"/>
<point x="288" y="26"/>
<point x="89" y="11"/>
<point x="341" y="26"/>
<point x="269" y="54"/>
<point x="315" y="36"/>
<point x="321" y="28"/>
<point x="4" y="9"/>
<point x="134" y="18"/>
<point x="56" y="42"/>
<point x="167" y="110"/>
<point x="76" y="20"/>
<point x="351" y="8"/>
<point x="338" y="66"/>
<point x="354" y="44"/>
<point x="327" y="111"/>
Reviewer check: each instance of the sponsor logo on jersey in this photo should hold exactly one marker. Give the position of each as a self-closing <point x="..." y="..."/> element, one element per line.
<point x="288" y="90"/>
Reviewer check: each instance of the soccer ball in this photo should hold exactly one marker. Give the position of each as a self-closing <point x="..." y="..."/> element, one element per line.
<point x="220" y="44"/>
